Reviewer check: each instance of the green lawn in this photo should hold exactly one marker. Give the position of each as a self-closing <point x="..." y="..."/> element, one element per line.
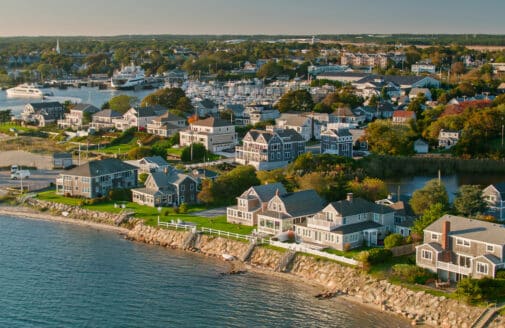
<point x="5" y="128"/>
<point x="175" y="151"/>
<point x="351" y="254"/>
<point x="150" y="214"/>
<point x="383" y="270"/>
<point x="123" y="148"/>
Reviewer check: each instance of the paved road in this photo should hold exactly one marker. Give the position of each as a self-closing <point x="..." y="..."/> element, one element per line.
<point x="39" y="179"/>
<point x="24" y="158"/>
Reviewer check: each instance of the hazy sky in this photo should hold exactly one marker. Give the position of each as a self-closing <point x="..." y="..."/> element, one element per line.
<point x="107" y="17"/>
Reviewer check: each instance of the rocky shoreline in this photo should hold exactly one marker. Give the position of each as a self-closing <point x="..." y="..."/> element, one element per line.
<point x="335" y="279"/>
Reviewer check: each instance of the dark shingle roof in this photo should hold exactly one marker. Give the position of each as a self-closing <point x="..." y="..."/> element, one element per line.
<point x="352" y="228"/>
<point x="101" y="167"/>
<point x="149" y="110"/>
<point x="87" y="108"/>
<point x="358" y="205"/>
<point x="303" y="202"/>
<point x="267" y="191"/>
<point x="62" y="155"/>
<point x="42" y="105"/>
<point x="107" y="113"/>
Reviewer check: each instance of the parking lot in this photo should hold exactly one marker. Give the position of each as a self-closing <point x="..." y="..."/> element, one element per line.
<point x="38" y="179"/>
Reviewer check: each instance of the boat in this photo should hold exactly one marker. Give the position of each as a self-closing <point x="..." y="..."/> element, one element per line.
<point x="130" y="77"/>
<point x="27" y="91"/>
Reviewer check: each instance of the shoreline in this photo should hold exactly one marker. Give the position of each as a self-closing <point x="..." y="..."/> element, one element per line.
<point x="32" y="214"/>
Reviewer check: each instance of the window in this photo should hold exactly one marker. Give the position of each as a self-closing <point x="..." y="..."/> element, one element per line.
<point x="182" y="188"/>
<point x="490" y="248"/>
<point x="426" y="255"/>
<point x="376" y="217"/>
<point x="463" y="242"/>
<point x="482" y="268"/>
<point x="434" y="236"/>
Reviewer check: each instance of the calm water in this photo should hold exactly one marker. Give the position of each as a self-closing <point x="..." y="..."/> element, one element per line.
<point x="452" y="183"/>
<point x="58" y="275"/>
<point x="84" y="94"/>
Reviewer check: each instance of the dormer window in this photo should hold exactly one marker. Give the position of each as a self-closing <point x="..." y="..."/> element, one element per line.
<point x="490" y="248"/>
<point x="434" y="236"/>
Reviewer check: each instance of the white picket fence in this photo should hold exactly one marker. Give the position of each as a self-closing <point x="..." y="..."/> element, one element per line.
<point x="305" y="249"/>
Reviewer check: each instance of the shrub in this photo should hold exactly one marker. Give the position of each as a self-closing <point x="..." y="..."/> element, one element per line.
<point x="183" y="208"/>
<point x="347" y="247"/>
<point x="166" y="213"/>
<point x="500" y="274"/>
<point x="119" y="195"/>
<point x="176" y="209"/>
<point x="379" y="255"/>
<point x="412" y="273"/>
<point x="474" y="290"/>
<point x="393" y="240"/>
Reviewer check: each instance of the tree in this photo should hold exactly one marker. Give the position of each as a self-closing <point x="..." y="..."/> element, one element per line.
<point x="386" y="138"/>
<point x="122" y="103"/>
<point x="228" y="186"/>
<point x="193" y="153"/>
<point x="433" y="213"/>
<point x="298" y="100"/>
<point x="458" y="68"/>
<point x="370" y="188"/>
<point x="393" y="240"/>
<point x="5" y="116"/>
<point x="139" y="152"/>
<point x="417" y="105"/>
<point x="469" y="201"/>
<point x="433" y="192"/>
<point x="166" y="97"/>
<point x="270" y="70"/>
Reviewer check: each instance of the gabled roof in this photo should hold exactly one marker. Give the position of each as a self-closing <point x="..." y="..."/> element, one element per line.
<point x="293" y="119"/>
<point x="87" y="108"/>
<point x="301" y="203"/>
<point x="358" y="205"/>
<point x="62" y="155"/>
<point x="404" y="114"/>
<point x="42" y="105"/>
<point x="107" y="113"/>
<point x="500" y="187"/>
<point x="207" y="103"/>
<point x="339" y="132"/>
<point x="158" y="160"/>
<point x="482" y="231"/>
<point x="148" y="111"/>
<point x="168" y="117"/>
<point x="212" y="122"/>
<point x="267" y="191"/>
<point x="100" y="167"/>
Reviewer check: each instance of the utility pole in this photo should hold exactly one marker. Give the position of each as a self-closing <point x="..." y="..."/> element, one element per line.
<point x="79" y="153"/>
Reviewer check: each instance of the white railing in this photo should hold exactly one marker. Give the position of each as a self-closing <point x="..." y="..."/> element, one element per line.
<point x="305" y="249"/>
<point x="175" y="225"/>
<point x="453" y="267"/>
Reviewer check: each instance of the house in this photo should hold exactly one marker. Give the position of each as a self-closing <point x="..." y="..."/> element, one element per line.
<point x="80" y="115"/>
<point x="138" y="117"/>
<point x="421" y="146"/>
<point x="200" y="174"/>
<point x="362" y="60"/>
<point x="96" y="178"/>
<point x="403" y="116"/>
<point x="494" y="195"/>
<point x="251" y="202"/>
<point x="348" y="224"/>
<point x="406" y="82"/>
<point x="166" y="125"/>
<point x="239" y="116"/>
<point x="355" y="116"/>
<point x="260" y="113"/>
<point x="300" y="123"/>
<point x="150" y="164"/>
<point x="337" y="142"/>
<point x="447" y="138"/>
<point x="344" y="77"/>
<point x="215" y="134"/>
<point x="417" y="92"/>
<point x="457" y="247"/>
<point x="167" y="188"/>
<point x="423" y="68"/>
<point x="62" y="160"/>
<point x="285" y="210"/>
<point x="404" y="216"/>
<point x="205" y="107"/>
<point x="269" y="149"/>
<point x="104" y="120"/>
<point x="501" y="88"/>
<point x="42" y="113"/>
<point x="385" y="109"/>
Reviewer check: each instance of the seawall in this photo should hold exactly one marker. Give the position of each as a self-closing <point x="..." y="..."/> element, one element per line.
<point x="332" y="276"/>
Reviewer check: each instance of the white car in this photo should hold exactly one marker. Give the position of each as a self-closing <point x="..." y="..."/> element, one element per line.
<point x="20" y="174"/>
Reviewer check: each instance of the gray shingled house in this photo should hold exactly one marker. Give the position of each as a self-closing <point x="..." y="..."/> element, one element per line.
<point x="96" y="178"/>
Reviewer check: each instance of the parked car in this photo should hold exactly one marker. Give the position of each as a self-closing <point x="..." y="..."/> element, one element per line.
<point x="14" y="168"/>
<point x="20" y="174"/>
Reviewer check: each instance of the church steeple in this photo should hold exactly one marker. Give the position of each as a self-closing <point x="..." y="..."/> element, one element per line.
<point x="58" y="46"/>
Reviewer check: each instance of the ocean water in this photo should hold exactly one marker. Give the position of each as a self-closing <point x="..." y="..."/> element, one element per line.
<point x="61" y="275"/>
<point x="87" y="95"/>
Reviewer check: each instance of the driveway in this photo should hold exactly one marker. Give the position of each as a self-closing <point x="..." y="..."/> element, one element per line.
<point x="39" y="179"/>
<point x="212" y="213"/>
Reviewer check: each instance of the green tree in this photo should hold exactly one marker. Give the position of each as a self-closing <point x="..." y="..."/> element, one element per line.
<point x="370" y="188"/>
<point x="393" y="240"/>
<point x="433" y="192"/>
<point x="469" y="200"/>
<point x="270" y="70"/>
<point x="433" y="213"/>
<point x="5" y="116"/>
<point x="193" y="153"/>
<point x="298" y="100"/>
<point x="122" y="103"/>
<point x="139" y="152"/>
<point x="386" y="138"/>
<point x="166" y="97"/>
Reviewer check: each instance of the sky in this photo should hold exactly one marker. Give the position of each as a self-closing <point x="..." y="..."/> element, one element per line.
<point x="304" y="17"/>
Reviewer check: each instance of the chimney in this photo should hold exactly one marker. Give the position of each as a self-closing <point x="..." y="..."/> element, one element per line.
<point x="446" y="229"/>
<point x="349" y="196"/>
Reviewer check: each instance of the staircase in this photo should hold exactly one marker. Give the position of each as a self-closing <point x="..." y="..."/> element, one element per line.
<point x="189" y="242"/>
<point x="485" y="318"/>
<point x="249" y="251"/>
<point x="285" y="261"/>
